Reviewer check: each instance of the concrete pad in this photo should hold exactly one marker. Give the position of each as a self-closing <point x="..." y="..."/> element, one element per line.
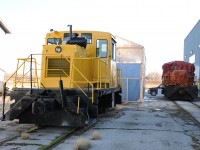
<point x="152" y="125"/>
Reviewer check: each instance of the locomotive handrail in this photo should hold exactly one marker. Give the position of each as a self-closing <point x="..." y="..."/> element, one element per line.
<point x="99" y="74"/>
<point x="23" y="64"/>
<point x="14" y="74"/>
<point x="66" y="57"/>
<point x="33" y="60"/>
<point x="100" y="71"/>
<point x="83" y="77"/>
<point x="17" y="69"/>
<point x="72" y="81"/>
<point x="103" y="61"/>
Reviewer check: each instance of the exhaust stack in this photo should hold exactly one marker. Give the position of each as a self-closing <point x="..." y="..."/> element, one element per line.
<point x="70" y="32"/>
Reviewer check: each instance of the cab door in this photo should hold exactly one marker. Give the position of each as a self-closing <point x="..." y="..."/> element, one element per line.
<point x="102" y="47"/>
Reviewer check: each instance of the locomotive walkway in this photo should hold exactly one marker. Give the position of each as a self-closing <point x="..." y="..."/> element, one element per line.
<point x="155" y="124"/>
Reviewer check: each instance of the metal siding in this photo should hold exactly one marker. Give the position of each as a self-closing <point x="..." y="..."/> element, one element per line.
<point x="130" y="81"/>
<point x="130" y="70"/>
<point x="192" y="43"/>
<point x="134" y="90"/>
<point x="124" y="90"/>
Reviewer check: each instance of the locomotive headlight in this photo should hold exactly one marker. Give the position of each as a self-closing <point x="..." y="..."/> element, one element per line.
<point x="58" y="49"/>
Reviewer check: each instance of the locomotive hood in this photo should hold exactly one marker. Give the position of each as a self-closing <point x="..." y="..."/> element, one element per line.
<point x="178" y="65"/>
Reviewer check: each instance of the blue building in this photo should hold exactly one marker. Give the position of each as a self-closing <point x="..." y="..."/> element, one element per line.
<point x="192" y="49"/>
<point x="131" y="60"/>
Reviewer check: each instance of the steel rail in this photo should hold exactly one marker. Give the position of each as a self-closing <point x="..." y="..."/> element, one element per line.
<point x="195" y="121"/>
<point x="32" y="129"/>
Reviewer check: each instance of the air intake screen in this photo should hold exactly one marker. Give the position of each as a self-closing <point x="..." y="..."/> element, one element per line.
<point x="58" y="67"/>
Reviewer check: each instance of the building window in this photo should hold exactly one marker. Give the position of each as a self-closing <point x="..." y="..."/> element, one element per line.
<point x="192" y="59"/>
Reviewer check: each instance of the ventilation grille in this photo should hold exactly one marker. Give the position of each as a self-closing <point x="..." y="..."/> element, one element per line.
<point x="58" y="67"/>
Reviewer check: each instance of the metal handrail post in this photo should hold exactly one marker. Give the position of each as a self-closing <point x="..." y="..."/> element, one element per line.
<point x="31" y="74"/>
<point x="3" y="97"/>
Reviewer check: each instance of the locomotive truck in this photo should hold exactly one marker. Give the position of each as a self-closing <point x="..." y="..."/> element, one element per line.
<point x="178" y="80"/>
<point x="78" y="80"/>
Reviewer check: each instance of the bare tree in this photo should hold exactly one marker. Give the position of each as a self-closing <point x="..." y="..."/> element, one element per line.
<point x="153" y="79"/>
<point x="153" y="76"/>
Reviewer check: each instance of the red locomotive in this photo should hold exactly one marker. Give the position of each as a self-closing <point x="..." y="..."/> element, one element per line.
<point x="178" y="80"/>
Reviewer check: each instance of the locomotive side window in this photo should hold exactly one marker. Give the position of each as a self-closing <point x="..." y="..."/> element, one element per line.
<point x="101" y="48"/>
<point x="54" y="41"/>
<point x="113" y="50"/>
<point x="88" y="37"/>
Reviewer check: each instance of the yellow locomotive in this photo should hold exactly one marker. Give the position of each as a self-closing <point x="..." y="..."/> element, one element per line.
<point x="78" y="80"/>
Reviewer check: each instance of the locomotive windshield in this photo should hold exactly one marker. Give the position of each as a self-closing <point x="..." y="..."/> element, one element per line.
<point x="54" y="41"/>
<point x="66" y="36"/>
<point x="87" y="36"/>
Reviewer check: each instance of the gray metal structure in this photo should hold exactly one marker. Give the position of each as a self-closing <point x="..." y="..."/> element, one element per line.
<point x="4" y="28"/>
<point x="131" y="59"/>
<point x="192" y="49"/>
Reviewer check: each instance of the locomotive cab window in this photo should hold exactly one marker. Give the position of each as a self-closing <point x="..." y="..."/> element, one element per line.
<point x="88" y="37"/>
<point x="66" y="36"/>
<point x="113" y="50"/>
<point x="101" y="48"/>
<point x="54" y="41"/>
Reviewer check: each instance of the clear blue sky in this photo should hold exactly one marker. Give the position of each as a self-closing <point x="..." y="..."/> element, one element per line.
<point x="159" y="25"/>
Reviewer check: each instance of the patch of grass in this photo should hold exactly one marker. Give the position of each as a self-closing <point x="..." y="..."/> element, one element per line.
<point x="25" y="135"/>
<point x="194" y="139"/>
<point x="82" y="144"/>
<point x="2" y="127"/>
<point x="14" y="123"/>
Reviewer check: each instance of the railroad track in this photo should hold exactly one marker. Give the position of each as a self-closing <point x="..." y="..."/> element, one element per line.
<point x="190" y="110"/>
<point x="26" y="136"/>
<point x="60" y="138"/>
<point x="32" y="129"/>
<point x="196" y="104"/>
<point x="41" y="138"/>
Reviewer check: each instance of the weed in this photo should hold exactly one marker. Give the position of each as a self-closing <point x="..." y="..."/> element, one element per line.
<point x="82" y="144"/>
